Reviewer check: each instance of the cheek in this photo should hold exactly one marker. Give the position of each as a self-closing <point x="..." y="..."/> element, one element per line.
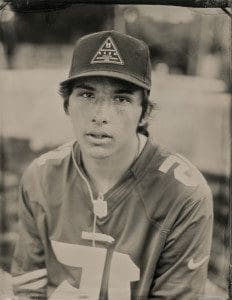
<point x="132" y="114"/>
<point x="77" y="113"/>
<point x="128" y="119"/>
<point x="77" y="120"/>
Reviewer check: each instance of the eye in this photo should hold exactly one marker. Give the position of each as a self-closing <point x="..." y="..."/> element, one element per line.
<point x="122" y="99"/>
<point x="87" y="95"/>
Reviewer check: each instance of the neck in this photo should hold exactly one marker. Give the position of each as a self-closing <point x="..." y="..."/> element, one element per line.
<point x="104" y="173"/>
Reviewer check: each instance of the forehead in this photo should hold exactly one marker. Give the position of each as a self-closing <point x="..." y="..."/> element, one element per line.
<point x="102" y="81"/>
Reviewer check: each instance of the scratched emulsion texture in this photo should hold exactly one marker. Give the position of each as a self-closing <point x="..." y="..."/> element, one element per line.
<point x="192" y="115"/>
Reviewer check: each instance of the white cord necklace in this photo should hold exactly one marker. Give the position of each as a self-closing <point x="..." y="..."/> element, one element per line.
<point x="99" y="205"/>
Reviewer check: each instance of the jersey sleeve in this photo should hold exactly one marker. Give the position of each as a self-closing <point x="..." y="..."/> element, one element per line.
<point x="29" y="274"/>
<point x="182" y="268"/>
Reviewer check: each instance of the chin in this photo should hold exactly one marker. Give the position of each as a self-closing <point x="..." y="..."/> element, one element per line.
<point x="99" y="153"/>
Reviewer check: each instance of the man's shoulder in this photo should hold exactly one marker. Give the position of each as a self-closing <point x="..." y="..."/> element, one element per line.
<point x="48" y="176"/>
<point x="175" y="169"/>
<point x="55" y="156"/>
<point x="49" y="161"/>
<point x="171" y="183"/>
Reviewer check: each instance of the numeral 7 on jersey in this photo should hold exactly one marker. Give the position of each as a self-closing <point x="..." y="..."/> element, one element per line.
<point x="92" y="261"/>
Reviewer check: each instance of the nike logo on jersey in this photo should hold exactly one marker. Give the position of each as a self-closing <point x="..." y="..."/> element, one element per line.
<point x="194" y="265"/>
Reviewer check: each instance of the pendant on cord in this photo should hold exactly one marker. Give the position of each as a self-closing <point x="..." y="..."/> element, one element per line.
<point x="100" y="206"/>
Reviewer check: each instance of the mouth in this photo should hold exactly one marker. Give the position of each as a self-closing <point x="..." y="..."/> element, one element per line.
<point x="98" y="137"/>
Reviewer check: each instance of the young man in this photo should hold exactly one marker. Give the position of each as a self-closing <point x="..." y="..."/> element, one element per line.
<point x="112" y="216"/>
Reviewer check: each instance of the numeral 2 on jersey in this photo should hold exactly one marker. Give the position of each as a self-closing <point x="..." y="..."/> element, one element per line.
<point x="184" y="172"/>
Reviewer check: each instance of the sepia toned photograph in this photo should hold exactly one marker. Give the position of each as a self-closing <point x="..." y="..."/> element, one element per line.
<point x="115" y="145"/>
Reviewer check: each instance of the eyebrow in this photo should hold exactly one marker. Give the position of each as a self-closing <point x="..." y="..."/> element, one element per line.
<point x="124" y="91"/>
<point x="84" y="86"/>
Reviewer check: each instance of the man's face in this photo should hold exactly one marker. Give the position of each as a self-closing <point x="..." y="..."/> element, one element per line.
<point x="105" y="114"/>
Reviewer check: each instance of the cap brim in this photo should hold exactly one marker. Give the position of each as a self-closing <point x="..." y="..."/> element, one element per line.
<point x="111" y="74"/>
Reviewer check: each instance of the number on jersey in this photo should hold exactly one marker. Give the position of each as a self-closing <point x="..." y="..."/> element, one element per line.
<point x="92" y="261"/>
<point x="184" y="172"/>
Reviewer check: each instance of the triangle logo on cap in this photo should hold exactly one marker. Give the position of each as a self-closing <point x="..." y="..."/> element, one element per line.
<point x="108" y="54"/>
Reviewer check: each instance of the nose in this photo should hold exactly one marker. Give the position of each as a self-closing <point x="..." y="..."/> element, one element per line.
<point x="100" y="113"/>
<point x="99" y="121"/>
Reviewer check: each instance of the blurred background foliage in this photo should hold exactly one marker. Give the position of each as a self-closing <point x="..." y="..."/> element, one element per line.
<point x="180" y="37"/>
<point x="190" y="51"/>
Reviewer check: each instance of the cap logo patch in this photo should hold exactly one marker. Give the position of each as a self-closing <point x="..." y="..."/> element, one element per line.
<point x="108" y="54"/>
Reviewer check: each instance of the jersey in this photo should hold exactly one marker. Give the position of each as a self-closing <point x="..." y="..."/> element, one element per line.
<point x="150" y="238"/>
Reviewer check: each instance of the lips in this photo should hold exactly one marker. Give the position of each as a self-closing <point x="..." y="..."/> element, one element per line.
<point x="98" y="134"/>
<point x="98" y="137"/>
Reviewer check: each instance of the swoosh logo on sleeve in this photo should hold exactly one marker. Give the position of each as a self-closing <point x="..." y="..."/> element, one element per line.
<point x="194" y="265"/>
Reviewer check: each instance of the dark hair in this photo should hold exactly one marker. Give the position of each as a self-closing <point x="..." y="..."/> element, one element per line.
<point x="147" y="106"/>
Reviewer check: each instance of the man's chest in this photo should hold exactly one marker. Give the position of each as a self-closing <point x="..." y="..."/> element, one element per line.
<point x="99" y="257"/>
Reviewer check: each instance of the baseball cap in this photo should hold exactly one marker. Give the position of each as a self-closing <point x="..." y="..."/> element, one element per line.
<point x="111" y="54"/>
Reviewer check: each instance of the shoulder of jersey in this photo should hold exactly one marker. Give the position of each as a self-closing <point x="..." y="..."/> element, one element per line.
<point x="177" y="169"/>
<point x="55" y="156"/>
<point x="52" y="158"/>
<point x="172" y="183"/>
<point x="45" y="173"/>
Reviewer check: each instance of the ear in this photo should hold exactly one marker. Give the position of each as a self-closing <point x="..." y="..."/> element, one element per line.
<point x="67" y="113"/>
<point x="144" y="120"/>
<point x="66" y="106"/>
